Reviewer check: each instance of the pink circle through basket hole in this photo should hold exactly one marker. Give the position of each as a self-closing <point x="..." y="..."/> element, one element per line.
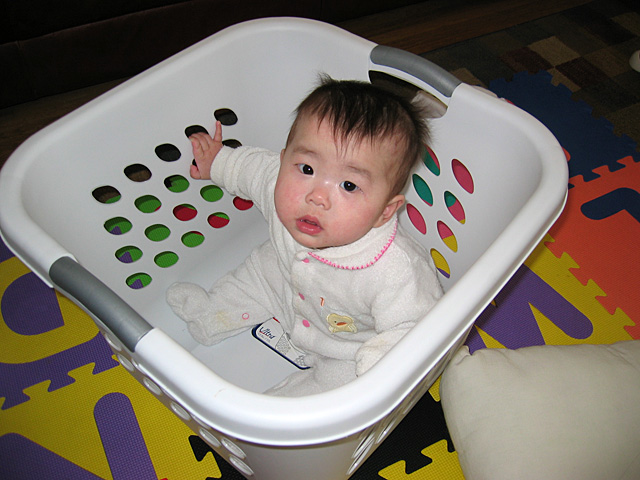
<point x="462" y="175"/>
<point x="447" y="236"/>
<point x="416" y="219"/>
<point x="455" y="207"/>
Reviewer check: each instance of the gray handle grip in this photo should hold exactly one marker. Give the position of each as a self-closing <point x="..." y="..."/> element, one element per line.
<point x="124" y="322"/>
<point x="414" y="65"/>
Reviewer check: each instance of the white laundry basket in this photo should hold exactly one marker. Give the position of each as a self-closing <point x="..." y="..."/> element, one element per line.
<point x="100" y="205"/>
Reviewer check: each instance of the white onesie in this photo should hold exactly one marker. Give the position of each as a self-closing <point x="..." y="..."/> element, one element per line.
<point x="344" y="306"/>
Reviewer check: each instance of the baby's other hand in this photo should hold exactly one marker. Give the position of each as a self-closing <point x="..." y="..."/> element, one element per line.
<point x="205" y="148"/>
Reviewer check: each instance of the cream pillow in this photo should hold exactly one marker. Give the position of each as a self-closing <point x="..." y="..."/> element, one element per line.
<point x="545" y="412"/>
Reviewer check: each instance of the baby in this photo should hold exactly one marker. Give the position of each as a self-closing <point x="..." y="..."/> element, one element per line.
<point x="342" y="277"/>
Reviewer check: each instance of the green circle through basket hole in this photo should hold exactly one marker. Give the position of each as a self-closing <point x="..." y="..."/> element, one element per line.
<point x="192" y="239"/>
<point x="128" y="254"/>
<point x="138" y="280"/>
<point x="157" y="233"/>
<point x="176" y="183"/>
<point x="211" y="193"/>
<point x="422" y="189"/>
<point x="148" y="204"/>
<point x="166" y="259"/>
<point x="431" y="161"/>
<point x="117" y="225"/>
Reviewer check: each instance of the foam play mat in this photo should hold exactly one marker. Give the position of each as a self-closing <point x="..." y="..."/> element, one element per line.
<point x="69" y="410"/>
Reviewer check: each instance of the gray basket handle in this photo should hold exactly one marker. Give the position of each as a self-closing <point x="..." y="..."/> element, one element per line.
<point x="124" y="322"/>
<point x="418" y="67"/>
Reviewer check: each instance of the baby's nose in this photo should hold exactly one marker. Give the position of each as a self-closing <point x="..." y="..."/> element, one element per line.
<point x="319" y="196"/>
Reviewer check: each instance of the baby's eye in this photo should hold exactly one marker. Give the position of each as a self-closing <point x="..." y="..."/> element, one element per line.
<point x="349" y="186"/>
<point x="306" y="169"/>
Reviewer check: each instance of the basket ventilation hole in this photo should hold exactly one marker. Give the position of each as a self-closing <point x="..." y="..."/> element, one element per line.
<point x="137" y="172"/>
<point x="211" y="193"/>
<point x="166" y="259"/>
<point x="192" y="239"/>
<point x="155" y="389"/>
<point x="362" y="454"/>
<point x="106" y="194"/>
<point x="128" y="254"/>
<point x="180" y="412"/>
<point x="431" y="161"/>
<point x="157" y="233"/>
<point x="422" y="189"/>
<point x="241" y="466"/>
<point x="388" y="428"/>
<point x="441" y="264"/>
<point x="176" y="183"/>
<point x="232" y="143"/>
<point x="365" y="442"/>
<point x="117" y="225"/>
<point x="113" y="343"/>
<point x="447" y="236"/>
<point x="218" y="220"/>
<point x="416" y="219"/>
<point x="194" y="129"/>
<point x="226" y="116"/>
<point x="125" y="362"/>
<point x="462" y="175"/>
<point x="455" y="207"/>
<point x="185" y="212"/>
<point x="167" y="152"/>
<point x="148" y="204"/>
<point x="209" y="438"/>
<point x="242" y="204"/>
<point x="138" y="280"/>
<point x="233" y="448"/>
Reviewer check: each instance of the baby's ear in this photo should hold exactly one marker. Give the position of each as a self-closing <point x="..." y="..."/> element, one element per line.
<point x="392" y="207"/>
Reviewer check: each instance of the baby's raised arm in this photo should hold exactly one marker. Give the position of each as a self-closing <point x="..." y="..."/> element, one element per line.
<point x="205" y="148"/>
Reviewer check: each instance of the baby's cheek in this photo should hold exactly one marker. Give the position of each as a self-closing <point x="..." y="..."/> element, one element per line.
<point x="279" y="198"/>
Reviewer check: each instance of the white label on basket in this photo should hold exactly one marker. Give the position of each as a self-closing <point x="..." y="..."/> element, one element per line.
<point x="271" y="334"/>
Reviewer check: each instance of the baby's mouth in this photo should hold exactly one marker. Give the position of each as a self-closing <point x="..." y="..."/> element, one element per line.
<point x="309" y="225"/>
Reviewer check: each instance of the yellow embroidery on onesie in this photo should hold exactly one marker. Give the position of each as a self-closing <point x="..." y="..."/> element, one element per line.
<point x="341" y="323"/>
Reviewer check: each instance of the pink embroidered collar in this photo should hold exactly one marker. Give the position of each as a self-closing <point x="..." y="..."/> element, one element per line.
<point x="362" y="253"/>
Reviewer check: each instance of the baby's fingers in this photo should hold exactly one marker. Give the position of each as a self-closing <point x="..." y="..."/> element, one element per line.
<point x="194" y="171"/>
<point x="217" y="136"/>
<point x="201" y="152"/>
<point x="201" y="142"/>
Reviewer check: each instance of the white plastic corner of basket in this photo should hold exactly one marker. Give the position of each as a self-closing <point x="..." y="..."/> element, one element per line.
<point x="264" y="419"/>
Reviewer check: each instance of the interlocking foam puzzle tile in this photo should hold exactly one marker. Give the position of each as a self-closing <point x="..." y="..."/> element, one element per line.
<point x="442" y="463"/>
<point x="601" y="222"/>
<point x="403" y="453"/>
<point x="590" y="140"/>
<point x="67" y="409"/>
<point x="600" y="228"/>
<point x="553" y="305"/>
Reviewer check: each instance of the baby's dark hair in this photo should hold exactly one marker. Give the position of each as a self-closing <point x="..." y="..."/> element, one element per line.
<point x="359" y="111"/>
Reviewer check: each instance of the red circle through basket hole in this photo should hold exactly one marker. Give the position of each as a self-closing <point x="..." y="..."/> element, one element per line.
<point x="242" y="204"/>
<point x="185" y="212"/>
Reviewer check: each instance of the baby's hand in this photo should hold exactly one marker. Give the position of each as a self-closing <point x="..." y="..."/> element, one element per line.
<point x="205" y="150"/>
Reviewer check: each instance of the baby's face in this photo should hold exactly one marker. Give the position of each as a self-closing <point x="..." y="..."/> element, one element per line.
<point x="328" y="195"/>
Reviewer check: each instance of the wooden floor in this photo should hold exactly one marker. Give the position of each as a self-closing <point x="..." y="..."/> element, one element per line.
<point x="434" y="24"/>
<point x="417" y="28"/>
